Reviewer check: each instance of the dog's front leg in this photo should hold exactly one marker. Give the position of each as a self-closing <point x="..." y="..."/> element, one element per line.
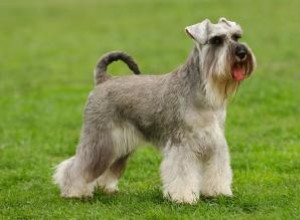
<point x="180" y="171"/>
<point x="217" y="174"/>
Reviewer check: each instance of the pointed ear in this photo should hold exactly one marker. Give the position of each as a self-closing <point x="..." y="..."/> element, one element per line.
<point x="198" y="32"/>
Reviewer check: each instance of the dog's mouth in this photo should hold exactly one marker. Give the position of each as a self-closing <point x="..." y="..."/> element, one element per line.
<point x="238" y="72"/>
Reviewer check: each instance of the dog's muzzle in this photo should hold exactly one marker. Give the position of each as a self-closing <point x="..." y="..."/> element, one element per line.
<point x="241" y="58"/>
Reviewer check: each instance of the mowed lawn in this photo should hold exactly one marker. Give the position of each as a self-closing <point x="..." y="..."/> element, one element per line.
<point x="48" y="50"/>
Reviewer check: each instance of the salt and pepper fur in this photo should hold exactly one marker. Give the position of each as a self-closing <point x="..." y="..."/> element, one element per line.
<point x="182" y="113"/>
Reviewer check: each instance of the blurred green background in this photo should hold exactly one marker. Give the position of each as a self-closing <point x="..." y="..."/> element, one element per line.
<point x="48" y="50"/>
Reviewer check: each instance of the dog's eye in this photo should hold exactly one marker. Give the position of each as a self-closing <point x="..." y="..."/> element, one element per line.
<point x="236" y="37"/>
<point x="217" y="40"/>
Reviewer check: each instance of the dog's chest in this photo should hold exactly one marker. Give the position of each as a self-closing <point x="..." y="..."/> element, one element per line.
<point x="204" y="128"/>
<point x="204" y="119"/>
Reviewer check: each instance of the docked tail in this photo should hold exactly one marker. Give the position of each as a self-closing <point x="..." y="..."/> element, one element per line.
<point x="100" y="74"/>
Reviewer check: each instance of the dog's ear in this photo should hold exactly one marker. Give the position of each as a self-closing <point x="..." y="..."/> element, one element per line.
<point x="222" y="20"/>
<point x="198" y="32"/>
<point x="231" y="24"/>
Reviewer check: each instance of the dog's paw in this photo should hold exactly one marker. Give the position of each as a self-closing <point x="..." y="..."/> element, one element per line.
<point x="213" y="192"/>
<point x="108" y="187"/>
<point x="110" y="190"/>
<point x="72" y="193"/>
<point x="182" y="197"/>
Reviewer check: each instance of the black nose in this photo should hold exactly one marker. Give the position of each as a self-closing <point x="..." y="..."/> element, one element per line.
<point x="241" y="52"/>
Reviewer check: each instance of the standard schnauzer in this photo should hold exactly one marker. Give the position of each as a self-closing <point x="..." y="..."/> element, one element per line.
<point x="182" y="113"/>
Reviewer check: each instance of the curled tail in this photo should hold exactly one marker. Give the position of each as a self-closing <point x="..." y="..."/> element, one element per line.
<point x="100" y="74"/>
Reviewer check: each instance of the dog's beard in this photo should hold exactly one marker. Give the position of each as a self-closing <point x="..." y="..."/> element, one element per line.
<point x="222" y="71"/>
<point x="216" y="67"/>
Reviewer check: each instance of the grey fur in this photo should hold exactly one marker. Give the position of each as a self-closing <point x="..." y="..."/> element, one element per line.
<point x="182" y="113"/>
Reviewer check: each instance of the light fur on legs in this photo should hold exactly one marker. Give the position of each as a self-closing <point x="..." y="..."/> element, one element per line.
<point x="180" y="173"/>
<point x="108" y="181"/>
<point x="70" y="182"/>
<point x="76" y="176"/>
<point x="217" y="174"/>
<point x="125" y="138"/>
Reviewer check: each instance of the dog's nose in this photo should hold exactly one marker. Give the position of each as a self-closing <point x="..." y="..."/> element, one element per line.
<point x="241" y="52"/>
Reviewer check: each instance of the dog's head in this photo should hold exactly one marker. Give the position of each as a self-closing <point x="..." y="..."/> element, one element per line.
<point x="222" y="56"/>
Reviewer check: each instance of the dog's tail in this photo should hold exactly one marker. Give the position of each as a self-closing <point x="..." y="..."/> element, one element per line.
<point x="100" y="74"/>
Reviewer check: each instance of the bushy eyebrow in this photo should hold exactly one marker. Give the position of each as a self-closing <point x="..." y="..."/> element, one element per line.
<point x="236" y="35"/>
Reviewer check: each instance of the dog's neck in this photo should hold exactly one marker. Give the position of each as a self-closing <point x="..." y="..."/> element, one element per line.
<point x="205" y="91"/>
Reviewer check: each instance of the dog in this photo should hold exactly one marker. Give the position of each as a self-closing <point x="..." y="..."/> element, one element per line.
<point x="182" y="113"/>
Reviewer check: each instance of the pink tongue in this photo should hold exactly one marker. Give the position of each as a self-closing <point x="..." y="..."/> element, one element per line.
<point x="238" y="73"/>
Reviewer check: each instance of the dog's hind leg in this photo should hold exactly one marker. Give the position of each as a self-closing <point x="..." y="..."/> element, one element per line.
<point x="94" y="155"/>
<point x="125" y="138"/>
<point x="108" y="181"/>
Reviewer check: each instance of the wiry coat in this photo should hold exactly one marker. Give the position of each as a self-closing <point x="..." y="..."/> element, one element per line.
<point x="182" y="113"/>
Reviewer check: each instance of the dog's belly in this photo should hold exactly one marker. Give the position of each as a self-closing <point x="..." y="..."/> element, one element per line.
<point x="152" y="132"/>
<point x="125" y="137"/>
<point x="128" y="134"/>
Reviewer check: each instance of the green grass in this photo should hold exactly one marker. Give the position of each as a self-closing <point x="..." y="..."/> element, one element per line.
<point x="48" y="50"/>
